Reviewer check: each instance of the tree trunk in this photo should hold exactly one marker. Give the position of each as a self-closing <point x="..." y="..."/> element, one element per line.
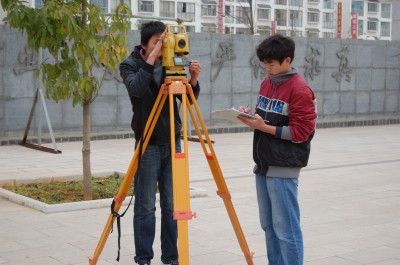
<point x="87" y="173"/>
<point x="251" y="18"/>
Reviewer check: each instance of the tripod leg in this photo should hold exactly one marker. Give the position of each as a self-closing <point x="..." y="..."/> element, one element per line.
<point x="129" y="176"/>
<point x="180" y="182"/>
<point x="223" y="191"/>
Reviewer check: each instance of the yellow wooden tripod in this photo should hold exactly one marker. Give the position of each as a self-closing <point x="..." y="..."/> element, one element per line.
<point x="180" y="170"/>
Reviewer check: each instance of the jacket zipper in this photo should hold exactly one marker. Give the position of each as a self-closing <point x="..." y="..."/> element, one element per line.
<point x="267" y="108"/>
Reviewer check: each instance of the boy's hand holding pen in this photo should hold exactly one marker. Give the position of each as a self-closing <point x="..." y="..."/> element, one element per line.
<point x="245" y="109"/>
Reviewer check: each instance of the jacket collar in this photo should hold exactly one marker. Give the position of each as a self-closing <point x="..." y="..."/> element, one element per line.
<point x="137" y="52"/>
<point x="279" y="79"/>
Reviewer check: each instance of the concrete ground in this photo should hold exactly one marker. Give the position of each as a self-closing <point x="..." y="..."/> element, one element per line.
<point x="349" y="197"/>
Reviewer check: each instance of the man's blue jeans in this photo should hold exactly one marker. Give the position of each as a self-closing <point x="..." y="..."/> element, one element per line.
<point x="280" y="219"/>
<point x="155" y="168"/>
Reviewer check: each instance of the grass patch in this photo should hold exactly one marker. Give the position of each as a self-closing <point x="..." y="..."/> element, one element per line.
<point x="70" y="191"/>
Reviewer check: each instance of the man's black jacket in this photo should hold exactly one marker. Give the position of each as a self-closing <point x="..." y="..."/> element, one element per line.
<point x="139" y="80"/>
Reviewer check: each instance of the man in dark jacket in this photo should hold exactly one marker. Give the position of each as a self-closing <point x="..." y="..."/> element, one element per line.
<point x="283" y="129"/>
<point x="143" y="75"/>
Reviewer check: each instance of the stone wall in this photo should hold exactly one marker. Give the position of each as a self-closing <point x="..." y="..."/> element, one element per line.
<point x="355" y="82"/>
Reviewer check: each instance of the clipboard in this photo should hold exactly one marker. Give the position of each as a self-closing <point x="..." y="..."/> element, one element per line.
<point x="231" y="114"/>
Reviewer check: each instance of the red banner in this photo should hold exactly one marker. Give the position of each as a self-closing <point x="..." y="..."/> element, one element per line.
<point x="354" y="25"/>
<point x="339" y="23"/>
<point x="221" y="16"/>
<point x="273" y="27"/>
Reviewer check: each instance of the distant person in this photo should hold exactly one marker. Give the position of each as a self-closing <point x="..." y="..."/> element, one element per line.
<point x="143" y="76"/>
<point x="283" y="129"/>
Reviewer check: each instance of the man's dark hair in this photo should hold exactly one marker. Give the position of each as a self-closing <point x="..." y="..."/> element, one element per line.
<point x="276" y="47"/>
<point x="147" y="30"/>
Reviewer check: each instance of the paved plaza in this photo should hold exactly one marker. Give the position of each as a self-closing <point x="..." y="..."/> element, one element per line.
<point x="349" y="197"/>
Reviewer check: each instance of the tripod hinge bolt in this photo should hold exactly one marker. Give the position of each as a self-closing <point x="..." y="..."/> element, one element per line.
<point x="119" y="198"/>
<point x="224" y="195"/>
<point x="184" y="215"/>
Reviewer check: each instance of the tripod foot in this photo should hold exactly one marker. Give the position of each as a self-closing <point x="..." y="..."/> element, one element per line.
<point x="92" y="261"/>
<point x="249" y="258"/>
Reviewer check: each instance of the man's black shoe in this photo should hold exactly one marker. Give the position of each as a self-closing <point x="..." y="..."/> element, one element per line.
<point x="175" y="262"/>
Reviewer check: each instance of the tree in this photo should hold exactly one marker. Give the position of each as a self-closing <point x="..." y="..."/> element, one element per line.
<point x="244" y="14"/>
<point x="80" y="38"/>
<point x="295" y="20"/>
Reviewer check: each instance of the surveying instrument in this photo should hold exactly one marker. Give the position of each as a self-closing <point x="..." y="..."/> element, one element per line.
<point x="175" y="56"/>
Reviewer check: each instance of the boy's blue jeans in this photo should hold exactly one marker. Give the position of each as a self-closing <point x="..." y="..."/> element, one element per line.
<point x="155" y="168"/>
<point x="280" y="219"/>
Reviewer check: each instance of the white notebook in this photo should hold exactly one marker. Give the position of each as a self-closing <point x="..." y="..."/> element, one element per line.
<point x="231" y="114"/>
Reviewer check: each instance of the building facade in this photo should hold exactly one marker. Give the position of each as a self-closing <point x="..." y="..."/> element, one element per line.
<point x="357" y="19"/>
<point x="396" y="21"/>
<point x="360" y="19"/>
<point x="369" y="20"/>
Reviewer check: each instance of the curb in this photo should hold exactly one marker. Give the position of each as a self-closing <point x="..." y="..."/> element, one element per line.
<point x="71" y="206"/>
<point x="77" y="206"/>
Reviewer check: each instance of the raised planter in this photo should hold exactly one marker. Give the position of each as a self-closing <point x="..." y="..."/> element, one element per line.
<point x="72" y="206"/>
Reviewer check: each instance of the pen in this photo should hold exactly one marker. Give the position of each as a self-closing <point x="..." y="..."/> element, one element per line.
<point x="244" y="108"/>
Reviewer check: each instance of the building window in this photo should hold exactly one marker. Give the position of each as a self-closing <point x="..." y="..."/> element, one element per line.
<point x="313" y="17"/>
<point x="186" y="10"/>
<point x="209" y="10"/>
<point x="102" y="3"/>
<point x="329" y="35"/>
<point x="38" y="4"/>
<point x="385" y="29"/>
<point x="209" y="29"/>
<point x="386" y="10"/>
<point x="190" y="29"/>
<point x="328" y="4"/>
<point x="296" y="33"/>
<point x="242" y="14"/>
<point x="264" y="30"/>
<point x="263" y="13"/>
<point x="313" y="1"/>
<point x="372" y="26"/>
<point x="280" y="2"/>
<point x="243" y="31"/>
<point x="360" y="27"/>
<point x="229" y="16"/>
<point x="358" y="7"/>
<point x="327" y="22"/>
<point x="146" y="6"/>
<point x="372" y="7"/>
<point x="298" y="3"/>
<point x="295" y="18"/>
<point x="280" y="17"/>
<point x="312" y="34"/>
<point x="167" y="9"/>
<point x="282" y="32"/>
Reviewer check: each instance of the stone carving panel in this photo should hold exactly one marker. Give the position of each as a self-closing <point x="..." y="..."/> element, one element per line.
<point x="29" y="61"/>
<point x="343" y="65"/>
<point x="224" y="53"/>
<point x="258" y="67"/>
<point x="312" y="67"/>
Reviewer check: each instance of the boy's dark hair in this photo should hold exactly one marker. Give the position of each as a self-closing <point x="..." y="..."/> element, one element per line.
<point x="276" y="47"/>
<point x="147" y="30"/>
